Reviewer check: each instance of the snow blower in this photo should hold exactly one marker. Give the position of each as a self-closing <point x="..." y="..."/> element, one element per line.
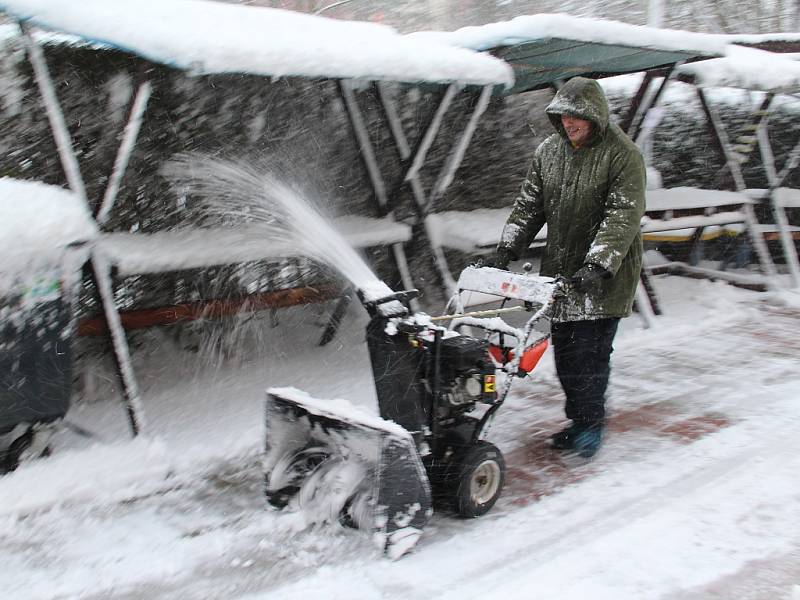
<point x="437" y="392"/>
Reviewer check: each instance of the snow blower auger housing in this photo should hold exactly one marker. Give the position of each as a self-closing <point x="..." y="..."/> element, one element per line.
<point x="437" y="392"/>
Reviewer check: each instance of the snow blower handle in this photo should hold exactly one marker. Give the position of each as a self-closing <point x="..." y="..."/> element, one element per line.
<point x="402" y="297"/>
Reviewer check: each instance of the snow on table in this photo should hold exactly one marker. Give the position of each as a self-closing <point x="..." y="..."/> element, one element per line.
<point x="190" y="248"/>
<point x="693" y="199"/>
<point x="689" y="198"/>
<point x="37" y="222"/>
<point x="746" y="68"/>
<point x="473" y="229"/>
<point x="787" y="197"/>
<point x="213" y="37"/>
<point x="529" y="28"/>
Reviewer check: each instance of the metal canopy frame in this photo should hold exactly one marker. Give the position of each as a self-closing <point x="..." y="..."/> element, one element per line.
<point x="547" y="62"/>
<point x="737" y="153"/>
<point x="100" y="267"/>
<point x="639" y="125"/>
<point x="776" y="179"/>
<point x="639" y="122"/>
<point x="413" y="160"/>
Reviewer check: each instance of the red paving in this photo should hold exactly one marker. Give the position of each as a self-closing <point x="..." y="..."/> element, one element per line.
<point x="535" y="470"/>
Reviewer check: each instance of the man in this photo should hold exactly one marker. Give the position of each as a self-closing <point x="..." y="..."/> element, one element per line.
<point x="587" y="183"/>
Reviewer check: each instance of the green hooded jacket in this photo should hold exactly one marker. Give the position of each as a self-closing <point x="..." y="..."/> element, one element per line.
<point x="592" y="199"/>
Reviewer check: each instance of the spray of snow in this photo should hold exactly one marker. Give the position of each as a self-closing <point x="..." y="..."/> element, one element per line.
<point x="239" y="193"/>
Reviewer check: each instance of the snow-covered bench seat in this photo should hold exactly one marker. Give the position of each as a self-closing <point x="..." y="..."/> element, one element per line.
<point x="140" y="253"/>
<point x="676" y="214"/>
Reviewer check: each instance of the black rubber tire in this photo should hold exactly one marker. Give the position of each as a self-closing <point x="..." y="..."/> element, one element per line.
<point x="479" y="474"/>
<point x="15" y="450"/>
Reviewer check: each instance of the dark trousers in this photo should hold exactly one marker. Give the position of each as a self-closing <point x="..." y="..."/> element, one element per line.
<point x="583" y="353"/>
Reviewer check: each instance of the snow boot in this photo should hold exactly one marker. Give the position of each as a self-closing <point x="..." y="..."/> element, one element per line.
<point x="587" y="442"/>
<point x="565" y="439"/>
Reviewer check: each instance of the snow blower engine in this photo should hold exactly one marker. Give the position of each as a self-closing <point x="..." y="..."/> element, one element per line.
<point x="437" y="392"/>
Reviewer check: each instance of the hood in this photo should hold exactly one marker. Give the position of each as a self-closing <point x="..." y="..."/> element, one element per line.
<point x="583" y="98"/>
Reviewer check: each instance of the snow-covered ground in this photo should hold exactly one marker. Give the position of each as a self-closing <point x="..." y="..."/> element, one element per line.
<point x="694" y="494"/>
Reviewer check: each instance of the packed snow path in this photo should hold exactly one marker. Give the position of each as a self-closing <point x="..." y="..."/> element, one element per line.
<point x="694" y="494"/>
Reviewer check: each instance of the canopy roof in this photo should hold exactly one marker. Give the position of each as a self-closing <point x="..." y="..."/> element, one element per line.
<point x="206" y="37"/>
<point x="746" y="68"/>
<point x="546" y="48"/>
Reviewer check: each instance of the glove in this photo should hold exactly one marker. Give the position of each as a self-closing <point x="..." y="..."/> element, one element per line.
<point x="500" y="259"/>
<point x="588" y="277"/>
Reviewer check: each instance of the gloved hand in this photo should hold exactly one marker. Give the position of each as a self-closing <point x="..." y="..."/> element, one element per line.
<point x="500" y="259"/>
<point x="588" y="277"/>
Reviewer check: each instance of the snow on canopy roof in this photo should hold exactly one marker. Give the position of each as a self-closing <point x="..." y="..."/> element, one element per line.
<point x="760" y="38"/>
<point x="37" y="221"/>
<point x="746" y="68"/>
<point x="530" y="28"/>
<point x="206" y="37"/>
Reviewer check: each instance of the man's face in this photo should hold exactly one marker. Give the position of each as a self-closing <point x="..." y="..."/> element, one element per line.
<point x="578" y="130"/>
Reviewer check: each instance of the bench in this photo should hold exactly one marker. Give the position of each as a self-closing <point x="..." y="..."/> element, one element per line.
<point x="671" y="214"/>
<point x="131" y="254"/>
<point x="675" y="213"/>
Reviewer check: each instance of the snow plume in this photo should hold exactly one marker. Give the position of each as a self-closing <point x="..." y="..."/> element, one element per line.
<point x="239" y="193"/>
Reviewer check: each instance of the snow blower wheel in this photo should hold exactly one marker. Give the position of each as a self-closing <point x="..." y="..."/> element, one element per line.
<point x="479" y="479"/>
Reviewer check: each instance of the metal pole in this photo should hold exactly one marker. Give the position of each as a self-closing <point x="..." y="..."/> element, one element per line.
<point x="403" y="148"/>
<point x="395" y="124"/>
<point x="100" y="267"/>
<point x="365" y="145"/>
<point x="789" y="249"/>
<point x="129" y="136"/>
<point x="457" y="155"/>
<point x="721" y="137"/>
<point x="101" y="271"/>
<point x="58" y="125"/>
<point x="775" y="179"/>
<point x="642" y="128"/>
<point x="368" y="154"/>
<point x="430" y="134"/>
<point x="632" y="116"/>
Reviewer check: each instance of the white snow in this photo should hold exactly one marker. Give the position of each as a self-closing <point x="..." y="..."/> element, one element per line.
<point x="181" y="515"/>
<point x="37" y="222"/>
<point x="529" y="28"/>
<point x="787" y="197"/>
<point x="683" y="198"/>
<point x="188" y="248"/>
<point x="747" y="68"/>
<point x="693" y="495"/>
<point x="212" y="37"/>
<point x="758" y="38"/>
<point x="339" y="408"/>
<point x="472" y="230"/>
